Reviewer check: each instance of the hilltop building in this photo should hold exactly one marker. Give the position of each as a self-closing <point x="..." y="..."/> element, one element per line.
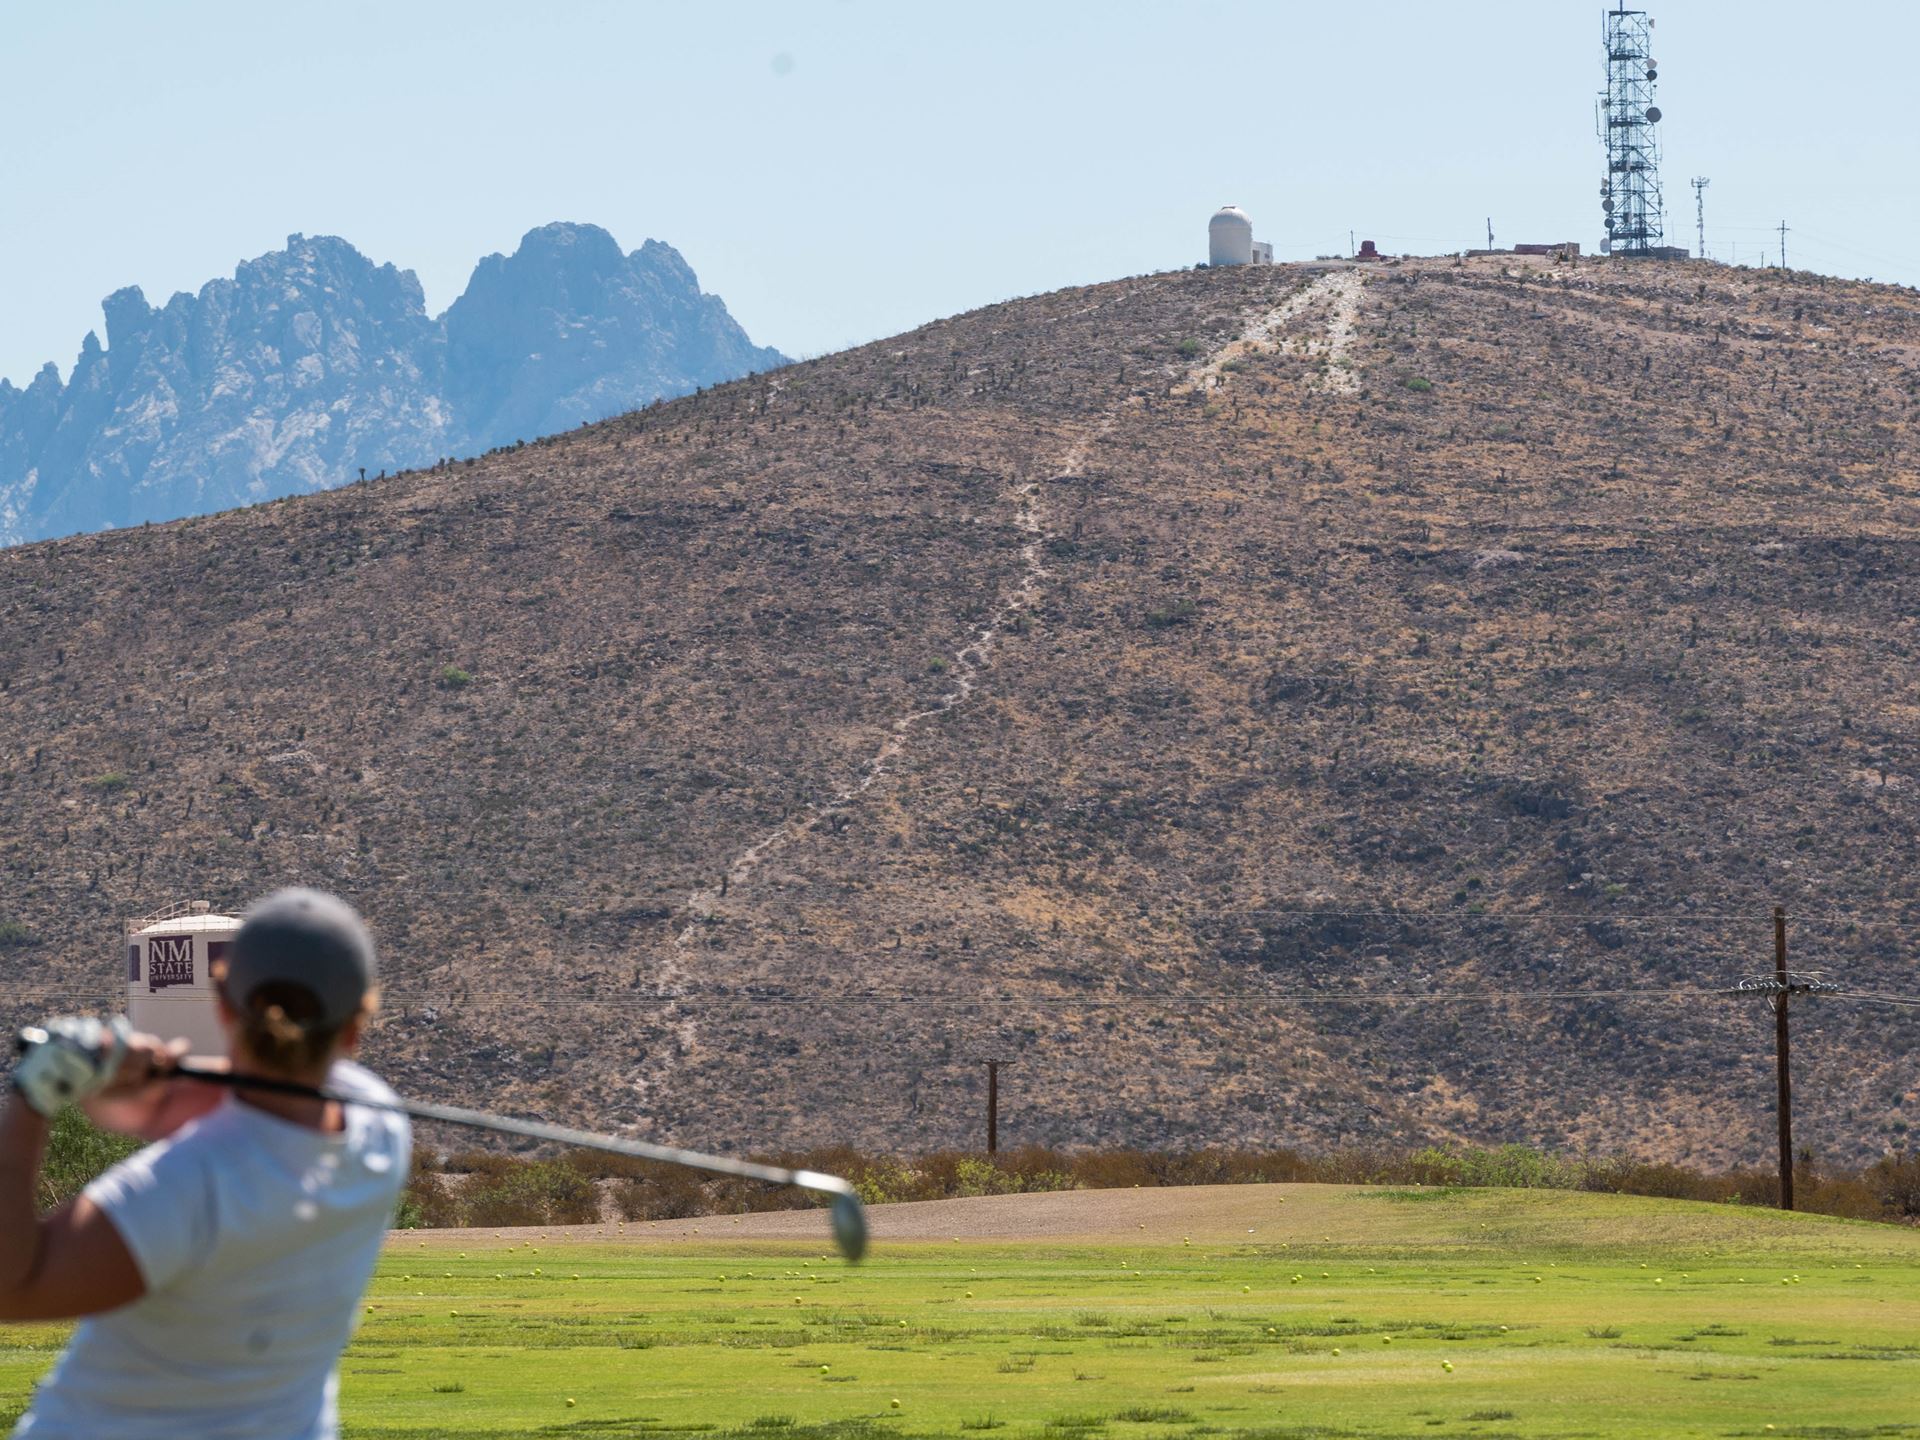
<point x="1563" y="249"/>
<point x="1230" y="239"/>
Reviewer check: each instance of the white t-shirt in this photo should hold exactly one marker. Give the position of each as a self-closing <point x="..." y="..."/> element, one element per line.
<point x="256" y="1238"/>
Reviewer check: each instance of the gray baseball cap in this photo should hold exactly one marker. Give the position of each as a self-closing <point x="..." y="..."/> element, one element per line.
<point x="303" y="937"/>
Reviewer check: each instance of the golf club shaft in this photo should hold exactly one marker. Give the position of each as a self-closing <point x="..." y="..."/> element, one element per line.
<point x="538" y="1130"/>
<point x="814" y="1180"/>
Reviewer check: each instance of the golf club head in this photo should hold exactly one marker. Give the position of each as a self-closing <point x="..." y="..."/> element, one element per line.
<point x="849" y="1226"/>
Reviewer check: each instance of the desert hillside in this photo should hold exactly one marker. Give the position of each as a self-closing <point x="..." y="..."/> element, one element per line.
<point x="1100" y="681"/>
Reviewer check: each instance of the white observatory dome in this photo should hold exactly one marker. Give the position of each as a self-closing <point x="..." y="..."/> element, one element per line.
<point x="1230" y="237"/>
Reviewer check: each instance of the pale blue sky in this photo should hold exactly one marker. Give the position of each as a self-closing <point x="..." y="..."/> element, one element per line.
<point x="840" y="170"/>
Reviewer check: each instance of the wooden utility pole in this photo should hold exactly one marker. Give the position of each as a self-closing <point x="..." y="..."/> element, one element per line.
<point x="993" y="1108"/>
<point x="1780" y="1055"/>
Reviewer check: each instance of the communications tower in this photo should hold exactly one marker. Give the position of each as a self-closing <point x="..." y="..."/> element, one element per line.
<point x="1629" y="121"/>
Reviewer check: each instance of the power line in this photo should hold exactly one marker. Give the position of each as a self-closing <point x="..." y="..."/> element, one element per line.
<point x="489" y="999"/>
<point x="1903" y="1001"/>
<point x="1650" y="918"/>
<point x="496" y="1000"/>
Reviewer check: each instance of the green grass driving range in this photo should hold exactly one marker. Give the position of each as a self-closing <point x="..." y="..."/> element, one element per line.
<point x="1345" y="1312"/>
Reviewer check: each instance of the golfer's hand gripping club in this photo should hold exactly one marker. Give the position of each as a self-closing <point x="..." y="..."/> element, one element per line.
<point x="68" y="1059"/>
<point x="71" y="1070"/>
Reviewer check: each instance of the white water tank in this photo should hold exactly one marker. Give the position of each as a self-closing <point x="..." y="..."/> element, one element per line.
<point x="1229" y="237"/>
<point x="170" y="955"/>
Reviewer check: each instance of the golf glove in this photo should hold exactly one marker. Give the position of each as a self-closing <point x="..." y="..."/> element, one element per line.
<point x="77" y="1058"/>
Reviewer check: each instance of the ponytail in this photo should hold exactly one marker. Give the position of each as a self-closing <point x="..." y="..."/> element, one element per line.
<point x="280" y="1042"/>
<point x="280" y="1026"/>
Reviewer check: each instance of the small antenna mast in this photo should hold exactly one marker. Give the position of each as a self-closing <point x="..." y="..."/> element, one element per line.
<point x="1700" y="183"/>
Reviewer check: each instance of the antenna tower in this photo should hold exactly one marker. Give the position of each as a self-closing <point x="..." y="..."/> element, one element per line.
<point x="1700" y="183"/>
<point x="1630" y="195"/>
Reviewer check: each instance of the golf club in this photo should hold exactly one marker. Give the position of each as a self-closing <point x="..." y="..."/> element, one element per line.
<point x="848" y="1218"/>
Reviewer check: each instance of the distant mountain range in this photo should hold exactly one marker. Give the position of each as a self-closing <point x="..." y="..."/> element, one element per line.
<point x="313" y="363"/>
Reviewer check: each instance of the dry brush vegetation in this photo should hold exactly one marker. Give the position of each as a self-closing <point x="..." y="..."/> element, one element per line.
<point x="484" y="1189"/>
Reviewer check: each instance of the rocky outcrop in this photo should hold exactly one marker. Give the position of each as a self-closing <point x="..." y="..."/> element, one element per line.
<point x="569" y="329"/>
<point x="312" y="364"/>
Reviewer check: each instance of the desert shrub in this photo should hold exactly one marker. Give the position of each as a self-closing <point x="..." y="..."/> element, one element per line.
<point x="1113" y="1170"/>
<point x="492" y="1164"/>
<point x="452" y="677"/>
<point x="1666" y="1182"/>
<point x="1851" y="1197"/>
<point x="1034" y="1168"/>
<point x="987" y="1175"/>
<point x="14" y="934"/>
<point x="1418" y="384"/>
<point x="1509" y="1166"/>
<point x="886" y="1183"/>
<point x="936" y="1175"/>
<point x="1754" y="1187"/>
<point x="1361" y="1167"/>
<point x="77" y="1151"/>
<point x="603" y="1165"/>
<point x="431" y="1201"/>
<point x="1897" y="1180"/>
<point x="534" y="1193"/>
<point x="979" y="1177"/>
<point x="652" y="1191"/>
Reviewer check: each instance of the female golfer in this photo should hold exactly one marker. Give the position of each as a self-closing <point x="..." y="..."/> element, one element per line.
<point x="220" y="1270"/>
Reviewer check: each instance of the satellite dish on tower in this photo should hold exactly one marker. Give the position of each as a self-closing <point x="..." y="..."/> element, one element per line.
<point x="1653" y="114"/>
<point x="1607" y="205"/>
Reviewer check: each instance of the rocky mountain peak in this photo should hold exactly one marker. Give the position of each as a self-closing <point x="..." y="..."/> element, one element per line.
<point x="528" y="344"/>
<point x="128" y="317"/>
<point x="311" y="363"/>
<point x="571" y="243"/>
